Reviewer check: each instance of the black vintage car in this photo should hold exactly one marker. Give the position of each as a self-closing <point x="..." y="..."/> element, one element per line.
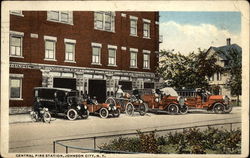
<point x="62" y="101"/>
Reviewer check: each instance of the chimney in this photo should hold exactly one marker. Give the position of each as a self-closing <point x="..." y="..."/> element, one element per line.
<point x="228" y="41"/>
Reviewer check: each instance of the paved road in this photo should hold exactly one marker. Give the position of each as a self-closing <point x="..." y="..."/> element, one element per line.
<point x="38" y="137"/>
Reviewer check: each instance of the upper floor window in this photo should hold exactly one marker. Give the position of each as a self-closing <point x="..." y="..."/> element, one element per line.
<point x="16" y="86"/>
<point x="218" y="76"/>
<point x="133" y="57"/>
<point x="16" y="42"/>
<point x="104" y="21"/>
<point x="50" y="48"/>
<point x="60" y="16"/>
<point x="96" y="53"/>
<point x="112" y="55"/>
<point x="146" y="59"/>
<point x="146" y="28"/>
<point x="133" y="25"/>
<point x="69" y="50"/>
<point x="16" y="12"/>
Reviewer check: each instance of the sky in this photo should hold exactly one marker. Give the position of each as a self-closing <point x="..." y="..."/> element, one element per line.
<point x="185" y="32"/>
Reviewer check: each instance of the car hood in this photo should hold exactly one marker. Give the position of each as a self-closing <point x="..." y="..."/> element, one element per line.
<point x="216" y="97"/>
<point x="105" y="105"/>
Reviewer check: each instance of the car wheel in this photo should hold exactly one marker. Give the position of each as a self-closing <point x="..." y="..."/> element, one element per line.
<point x="111" y="101"/>
<point x="173" y="109"/>
<point x="129" y="109"/>
<point x="104" y="113"/>
<point x="219" y="108"/>
<point x="143" y="109"/>
<point x="184" y="109"/>
<point x="85" y="114"/>
<point x="34" y="116"/>
<point x="46" y="117"/>
<point x="117" y="113"/>
<point x="72" y="114"/>
<point x="228" y="109"/>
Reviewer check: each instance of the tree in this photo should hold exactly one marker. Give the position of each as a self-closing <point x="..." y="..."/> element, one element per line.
<point x="234" y="68"/>
<point x="187" y="71"/>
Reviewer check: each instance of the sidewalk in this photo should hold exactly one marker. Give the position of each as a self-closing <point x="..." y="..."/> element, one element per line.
<point x="22" y="118"/>
<point x="19" y="118"/>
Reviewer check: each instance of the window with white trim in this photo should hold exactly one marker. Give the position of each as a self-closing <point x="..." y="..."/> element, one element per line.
<point x="146" y="29"/>
<point x="50" y="49"/>
<point x="15" y="87"/>
<point x="104" y="21"/>
<point x="133" y="25"/>
<point x="133" y="59"/>
<point x="146" y="61"/>
<point x="16" y="41"/>
<point x="70" y="52"/>
<point x="60" y="16"/>
<point x="96" y="55"/>
<point x="112" y="57"/>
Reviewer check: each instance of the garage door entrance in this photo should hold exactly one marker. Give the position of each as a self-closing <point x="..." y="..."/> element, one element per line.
<point x="97" y="88"/>
<point x="65" y="83"/>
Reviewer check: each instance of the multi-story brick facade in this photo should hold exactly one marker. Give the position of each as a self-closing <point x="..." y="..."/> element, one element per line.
<point x="92" y="52"/>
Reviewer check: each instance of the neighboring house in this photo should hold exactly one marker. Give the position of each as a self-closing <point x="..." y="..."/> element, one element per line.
<point x="92" y="52"/>
<point x="218" y="81"/>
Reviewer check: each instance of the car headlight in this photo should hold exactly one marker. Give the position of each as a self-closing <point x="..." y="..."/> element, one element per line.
<point x="85" y="107"/>
<point x="109" y="108"/>
<point x="157" y="99"/>
<point x="78" y="107"/>
<point x="114" y="108"/>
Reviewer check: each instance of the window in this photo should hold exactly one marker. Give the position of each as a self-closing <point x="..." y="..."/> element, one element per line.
<point x="50" y="50"/>
<point x="218" y="76"/>
<point x="104" y="21"/>
<point x="16" y="40"/>
<point x="16" y="86"/>
<point x="60" y="16"/>
<point x="69" y="52"/>
<point x="146" y="28"/>
<point x="146" y="61"/>
<point x="112" y="54"/>
<point x="16" y="12"/>
<point x="133" y="59"/>
<point x="133" y="25"/>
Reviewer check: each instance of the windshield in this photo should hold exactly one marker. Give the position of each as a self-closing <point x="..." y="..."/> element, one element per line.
<point x="169" y="91"/>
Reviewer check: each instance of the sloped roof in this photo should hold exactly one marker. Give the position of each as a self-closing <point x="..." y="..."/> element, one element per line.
<point x="225" y="49"/>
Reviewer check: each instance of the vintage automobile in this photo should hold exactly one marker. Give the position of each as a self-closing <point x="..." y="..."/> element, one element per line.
<point x="62" y="101"/>
<point x="166" y="100"/>
<point x="128" y="103"/>
<point x="103" y="109"/>
<point x="202" y="99"/>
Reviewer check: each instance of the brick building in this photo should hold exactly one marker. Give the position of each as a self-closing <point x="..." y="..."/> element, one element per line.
<point x="92" y="52"/>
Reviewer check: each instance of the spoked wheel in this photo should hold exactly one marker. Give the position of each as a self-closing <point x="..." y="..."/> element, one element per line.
<point x="34" y="116"/>
<point x="228" y="108"/>
<point x="143" y="109"/>
<point x="103" y="113"/>
<point x="129" y="109"/>
<point x="117" y="113"/>
<point x="72" y="114"/>
<point x="219" y="108"/>
<point x="111" y="101"/>
<point x="184" y="109"/>
<point x="85" y="114"/>
<point x="173" y="109"/>
<point x="46" y="117"/>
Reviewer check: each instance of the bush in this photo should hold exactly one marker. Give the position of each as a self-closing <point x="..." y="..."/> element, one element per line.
<point x="190" y="141"/>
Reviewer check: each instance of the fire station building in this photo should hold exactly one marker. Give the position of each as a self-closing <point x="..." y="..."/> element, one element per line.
<point x="92" y="52"/>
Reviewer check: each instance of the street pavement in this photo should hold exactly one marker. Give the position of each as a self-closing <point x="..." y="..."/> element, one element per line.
<point x="38" y="137"/>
